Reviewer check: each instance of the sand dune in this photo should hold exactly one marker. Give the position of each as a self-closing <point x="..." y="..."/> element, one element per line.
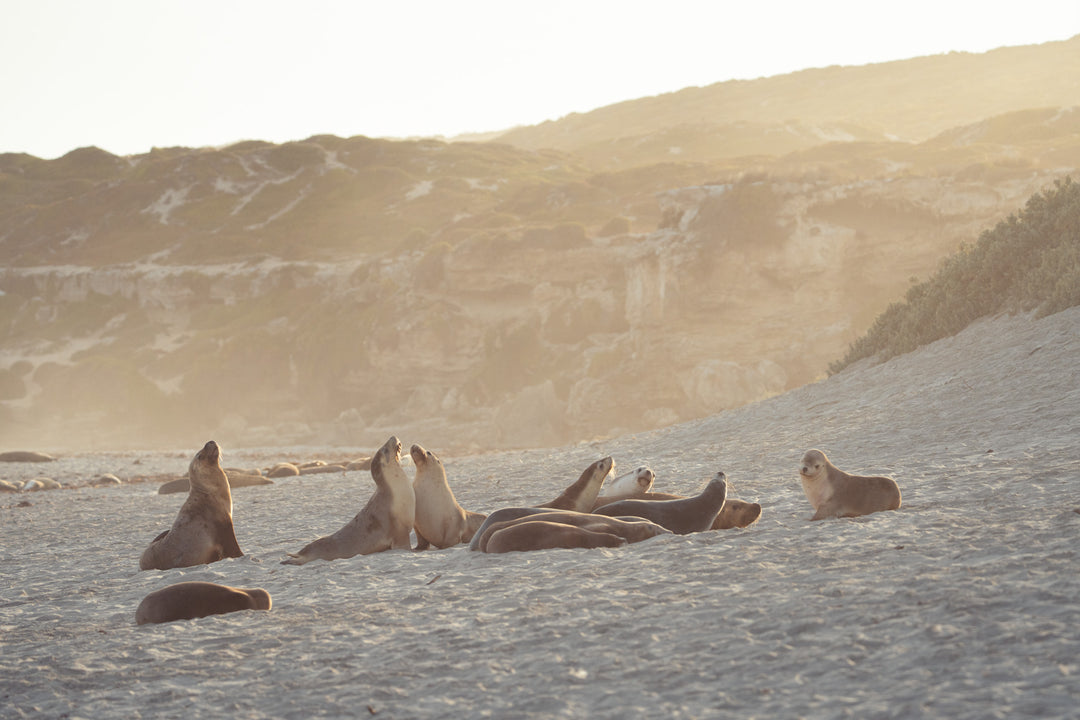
<point x="962" y="604"/>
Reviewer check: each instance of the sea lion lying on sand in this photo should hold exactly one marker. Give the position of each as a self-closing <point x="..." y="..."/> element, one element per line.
<point x="692" y="514"/>
<point x="735" y="513"/>
<point x="630" y="529"/>
<point x="196" y="599"/>
<point x="834" y="493"/>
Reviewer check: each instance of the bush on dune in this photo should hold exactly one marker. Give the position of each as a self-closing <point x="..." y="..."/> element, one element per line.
<point x="1030" y="261"/>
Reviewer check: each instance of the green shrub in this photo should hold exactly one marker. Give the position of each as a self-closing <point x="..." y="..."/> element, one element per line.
<point x="1029" y="261"/>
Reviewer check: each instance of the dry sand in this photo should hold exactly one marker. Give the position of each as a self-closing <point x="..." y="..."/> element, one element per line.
<point x="965" y="603"/>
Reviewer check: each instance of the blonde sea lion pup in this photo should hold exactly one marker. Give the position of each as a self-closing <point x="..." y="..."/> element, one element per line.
<point x="440" y="520"/>
<point x="196" y="599"/>
<point x="543" y="535"/>
<point x="581" y="495"/>
<point x="203" y="529"/>
<point x="834" y="493"/>
<point x="383" y="524"/>
<point x="631" y="485"/>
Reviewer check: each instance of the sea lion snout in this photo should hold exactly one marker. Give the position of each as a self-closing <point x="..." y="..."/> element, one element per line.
<point x="419" y="454"/>
<point x="210" y="452"/>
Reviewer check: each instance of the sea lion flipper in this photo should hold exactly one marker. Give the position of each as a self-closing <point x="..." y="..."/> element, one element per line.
<point x="229" y="546"/>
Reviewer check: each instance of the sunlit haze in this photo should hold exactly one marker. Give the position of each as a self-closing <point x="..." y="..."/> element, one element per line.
<point x="128" y="75"/>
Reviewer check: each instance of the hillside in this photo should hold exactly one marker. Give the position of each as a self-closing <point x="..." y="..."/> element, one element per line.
<point x="906" y="100"/>
<point x="481" y="295"/>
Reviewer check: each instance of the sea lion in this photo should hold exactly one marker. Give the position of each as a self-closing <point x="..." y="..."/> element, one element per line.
<point x="203" y="529"/>
<point x="734" y="514"/>
<point x="834" y="493"/>
<point x="581" y="495"/>
<point x="692" y="514"/>
<point x="630" y="529"/>
<point x="631" y="485"/>
<point x="196" y="599"/>
<point x="542" y="535"/>
<point x="236" y="479"/>
<point x="383" y="524"/>
<point x="440" y="520"/>
<point x="25" y="456"/>
<point x="502" y="515"/>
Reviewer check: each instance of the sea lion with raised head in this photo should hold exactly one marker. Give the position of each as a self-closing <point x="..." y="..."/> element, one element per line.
<point x="635" y="484"/>
<point x="440" y="520"/>
<point x="834" y="493"/>
<point x="631" y="529"/>
<point x="384" y="523"/>
<point x="735" y="513"/>
<point x="688" y="515"/>
<point x="581" y="495"/>
<point x="203" y="529"/>
<point x="196" y="599"/>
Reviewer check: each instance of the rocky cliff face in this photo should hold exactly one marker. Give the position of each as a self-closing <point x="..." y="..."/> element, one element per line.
<point x="490" y="309"/>
<point x="671" y="257"/>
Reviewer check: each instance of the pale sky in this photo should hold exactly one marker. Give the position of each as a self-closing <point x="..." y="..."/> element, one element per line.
<point x="128" y="75"/>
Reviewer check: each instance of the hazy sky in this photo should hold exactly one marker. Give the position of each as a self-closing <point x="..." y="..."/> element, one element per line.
<point x="127" y="75"/>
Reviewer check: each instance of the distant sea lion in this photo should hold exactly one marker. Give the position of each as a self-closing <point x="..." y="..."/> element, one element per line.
<point x="734" y="514"/>
<point x="196" y="599"/>
<point x="236" y="479"/>
<point x="631" y="485"/>
<point x="283" y="469"/>
<point x="440" y="520"/>
<point x="203" y="529"/>
<point x="692" y="514"/>
<point x="834" y="493"/>
<point x="25" y="456"/>
<point x="630" y="529"/>
<point x="383" y="524"/>
<point x="581" y="495"/>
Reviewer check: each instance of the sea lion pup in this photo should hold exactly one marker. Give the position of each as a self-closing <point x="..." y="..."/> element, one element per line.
<point x="543" y="535"/>
<point x="582" y="494"/>
<point x="383" y="524"/>
<point x="734" y="514"/>
<point x="439" y="521"/>
<point x="630" y="529"/>
<point x="196" y="599"/>
<point x="203" y="529"/>
<point x="692" y="514"/>
<point x="834" y="493"/>
<point x="631" y="485"/>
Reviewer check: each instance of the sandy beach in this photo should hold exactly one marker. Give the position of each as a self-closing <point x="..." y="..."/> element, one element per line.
<point x="965" y="603"/>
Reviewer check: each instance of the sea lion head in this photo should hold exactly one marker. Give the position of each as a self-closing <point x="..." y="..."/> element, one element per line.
<point x="605" y="466"/>
<point x="210" y="454"/>
<point x="645" y="477"/>
<point x="391" y="450"/>
<point x="422" y="457"/>
<point x="813" y="462"/>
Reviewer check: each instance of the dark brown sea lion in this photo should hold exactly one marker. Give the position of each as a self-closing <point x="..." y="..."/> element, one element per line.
<point x="203" y="529"/>
<point x="692" y="514"/>
<point x="196" y="599"/>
